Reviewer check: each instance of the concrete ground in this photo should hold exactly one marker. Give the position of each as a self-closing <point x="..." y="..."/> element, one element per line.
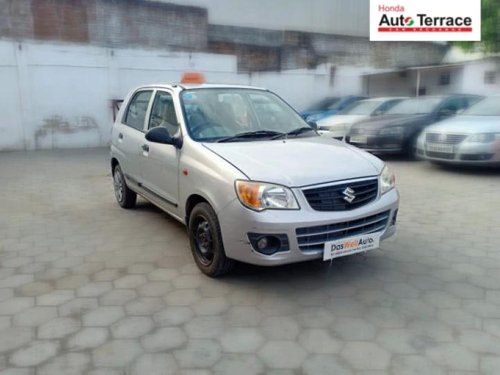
<point x="89" y="288"/>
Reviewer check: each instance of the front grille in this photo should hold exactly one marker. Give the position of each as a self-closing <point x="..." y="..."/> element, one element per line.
<point x="314" y="238"/>
<point x="445" y="138"/>
<point x="366" y="131"/>
<point x="440" y="155"/>
<point x="331" y="198"/>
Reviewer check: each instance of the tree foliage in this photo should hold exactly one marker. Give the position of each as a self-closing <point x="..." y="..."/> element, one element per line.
<point x="490" y="29"/>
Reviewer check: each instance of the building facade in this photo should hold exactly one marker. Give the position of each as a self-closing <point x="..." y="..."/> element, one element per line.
<point x="62" y="62"/>
<point x="481" y="76"/>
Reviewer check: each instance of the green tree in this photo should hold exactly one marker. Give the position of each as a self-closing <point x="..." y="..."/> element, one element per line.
<point x="490" y="29"/>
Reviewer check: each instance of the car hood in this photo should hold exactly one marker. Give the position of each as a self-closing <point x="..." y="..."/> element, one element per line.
<point x="338" y="120"/>
<point x="386" y="121"/>
<point x="464" y="124"/>
<point x="298" y="161"/>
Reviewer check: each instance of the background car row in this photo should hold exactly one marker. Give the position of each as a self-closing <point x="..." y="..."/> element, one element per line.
<point x="457" y="129"/>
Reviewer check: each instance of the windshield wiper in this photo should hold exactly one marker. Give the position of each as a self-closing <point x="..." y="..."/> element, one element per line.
<point x="252" y="134"/>
<point x="297" y="131"/>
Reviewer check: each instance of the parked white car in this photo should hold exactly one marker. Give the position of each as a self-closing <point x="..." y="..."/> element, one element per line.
<point x="338" y="126"/>
<point x="471" y="138"/>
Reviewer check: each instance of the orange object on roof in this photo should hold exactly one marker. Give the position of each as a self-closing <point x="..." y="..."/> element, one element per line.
<point x="193" y="77"/>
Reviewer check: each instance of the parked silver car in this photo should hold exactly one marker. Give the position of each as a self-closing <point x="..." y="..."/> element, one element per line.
<point x="247" y="175"/>
<point x="337" y="126"/>
<point x="471" y="138"/>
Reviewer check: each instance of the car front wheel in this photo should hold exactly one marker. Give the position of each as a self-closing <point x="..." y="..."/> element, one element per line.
<point x="206" y="241"/>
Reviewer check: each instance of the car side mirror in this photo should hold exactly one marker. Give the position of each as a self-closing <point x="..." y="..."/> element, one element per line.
<point x="313" y="124"/>
<point x="161" y="135"/>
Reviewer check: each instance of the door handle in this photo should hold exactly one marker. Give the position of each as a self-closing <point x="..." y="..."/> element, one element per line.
<point x="120" y="136"/>
<point x="145" y="147"/>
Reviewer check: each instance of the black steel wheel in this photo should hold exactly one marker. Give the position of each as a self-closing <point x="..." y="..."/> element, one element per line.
<point x="206" y="241"/>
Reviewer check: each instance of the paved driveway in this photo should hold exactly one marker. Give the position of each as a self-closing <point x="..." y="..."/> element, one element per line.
<point x="87" y="287"/>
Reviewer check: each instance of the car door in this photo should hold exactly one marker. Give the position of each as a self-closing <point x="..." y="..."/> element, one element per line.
<point x="160" y="164"/>
<point x="130" y="135"/>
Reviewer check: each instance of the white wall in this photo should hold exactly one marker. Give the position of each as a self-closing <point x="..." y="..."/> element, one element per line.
<point x="59" y="96"/>
<point x="11" y="130"/>
<point x="303" y="87"/>
<point x="474" y="77"/>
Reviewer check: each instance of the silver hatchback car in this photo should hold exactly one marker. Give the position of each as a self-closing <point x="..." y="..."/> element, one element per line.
<point x="247" y="176"/>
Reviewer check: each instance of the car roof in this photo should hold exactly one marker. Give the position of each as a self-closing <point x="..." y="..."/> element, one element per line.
<point x="445" y="96"/>
<point x="184" y="86"/>
<point x="384" y="98"/>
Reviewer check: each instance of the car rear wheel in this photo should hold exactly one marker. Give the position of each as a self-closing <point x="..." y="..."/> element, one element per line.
<point x="125" y="197"/>
<point x="206" y="241"/>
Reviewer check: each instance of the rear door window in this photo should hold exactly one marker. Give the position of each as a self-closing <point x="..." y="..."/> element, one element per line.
<point x="136" y="111"/>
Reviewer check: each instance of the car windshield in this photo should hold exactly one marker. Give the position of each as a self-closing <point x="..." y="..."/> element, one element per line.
<point x="230" y="114"/>
<point x="415" y="106"/>
<point x="364" y="107"/>
<point x="486" y="107"/>
<point x="324" y="104"/>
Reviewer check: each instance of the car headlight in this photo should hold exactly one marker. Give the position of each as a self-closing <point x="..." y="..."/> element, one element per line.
<point x="395" y="130"/>
<point x="261" y="195"/>
<point x="484" y="137"/>
<point x="332" y="127"/>
<point x="387" y="180"/>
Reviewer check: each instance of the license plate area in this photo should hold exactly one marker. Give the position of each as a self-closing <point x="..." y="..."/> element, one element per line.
<point x="351" y="245"/>
<point x="359" y="139"/>
<point x="440" y="147"/>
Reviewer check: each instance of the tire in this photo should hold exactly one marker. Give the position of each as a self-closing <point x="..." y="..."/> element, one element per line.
<point x="411" y="148"/>
<point x="205" y="239"/>
<point x="125" y="197"/>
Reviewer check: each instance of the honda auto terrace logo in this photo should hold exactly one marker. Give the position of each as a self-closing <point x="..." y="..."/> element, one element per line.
<point x="421" y="20"/>
<point x="349" y="195"/>
<point x="425" y="23"/>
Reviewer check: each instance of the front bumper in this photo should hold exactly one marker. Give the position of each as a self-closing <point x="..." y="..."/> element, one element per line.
<point x="465" y="153"/>
<point x="237" y="221"/>
<point x="380" y="144"/>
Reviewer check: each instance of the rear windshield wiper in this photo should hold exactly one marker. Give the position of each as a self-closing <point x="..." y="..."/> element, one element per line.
<point x="297" y="131"/>
<point x="252" y="134"/>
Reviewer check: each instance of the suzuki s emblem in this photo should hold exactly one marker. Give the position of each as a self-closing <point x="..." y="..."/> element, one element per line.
<point x="442" y="137"/>
<point x="349" y="195"/>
